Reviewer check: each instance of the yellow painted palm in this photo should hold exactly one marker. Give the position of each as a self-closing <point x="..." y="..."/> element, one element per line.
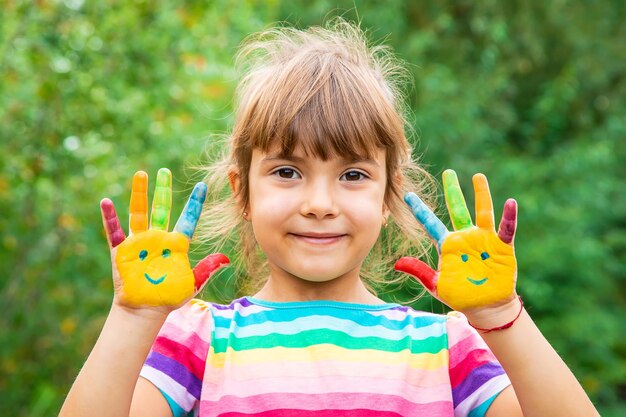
<point x="477" y="266"/>
<point x="151" y="267"/>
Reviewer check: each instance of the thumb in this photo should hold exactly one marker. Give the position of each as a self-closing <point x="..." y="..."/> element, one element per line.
<point x="420" y="270"/>
<point x="206" y="267"/>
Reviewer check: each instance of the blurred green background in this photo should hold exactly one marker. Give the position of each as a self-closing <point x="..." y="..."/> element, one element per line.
<point x="532" y="93"/>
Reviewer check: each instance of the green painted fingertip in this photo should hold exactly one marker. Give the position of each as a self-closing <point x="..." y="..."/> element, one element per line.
<point x="459" y="214"/>
<point x="164" y="177"/>
<point x="162" y="203"/>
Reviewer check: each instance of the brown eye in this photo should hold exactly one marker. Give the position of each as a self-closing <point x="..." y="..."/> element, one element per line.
<point x="287" y="173"/>
<point x="353" y="176"/>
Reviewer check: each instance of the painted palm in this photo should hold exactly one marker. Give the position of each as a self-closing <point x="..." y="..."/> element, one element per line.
<point x="151" y="266"/>
<point x="477" y="266"/>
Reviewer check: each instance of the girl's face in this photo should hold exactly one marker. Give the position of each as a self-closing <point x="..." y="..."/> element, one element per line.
<point x="316" y="220"/>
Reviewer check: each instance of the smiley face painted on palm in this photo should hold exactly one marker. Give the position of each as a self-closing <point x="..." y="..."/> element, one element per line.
<point x="477" y="266"/>
<point x="153" y="265"/>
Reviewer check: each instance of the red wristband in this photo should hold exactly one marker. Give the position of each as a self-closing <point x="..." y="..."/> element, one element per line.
<point x="504" y="326"/>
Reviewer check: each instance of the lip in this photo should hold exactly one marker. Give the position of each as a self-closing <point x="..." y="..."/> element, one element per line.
<point x="318" y="238"/>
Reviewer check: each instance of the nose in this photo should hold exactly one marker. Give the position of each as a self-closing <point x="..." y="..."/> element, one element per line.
<point x="319" y="201"/>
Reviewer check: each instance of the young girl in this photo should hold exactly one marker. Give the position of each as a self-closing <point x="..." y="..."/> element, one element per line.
<point x="318" y="167"/>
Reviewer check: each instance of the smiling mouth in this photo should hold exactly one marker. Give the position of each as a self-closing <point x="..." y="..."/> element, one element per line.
<point x="477" y="281"/>
<point x="154" y="281"/>
<point x="318" y="239"/>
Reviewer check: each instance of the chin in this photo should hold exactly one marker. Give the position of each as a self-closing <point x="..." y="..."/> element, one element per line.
<point x="317" y="278"/>
<point x="315" y="274"/>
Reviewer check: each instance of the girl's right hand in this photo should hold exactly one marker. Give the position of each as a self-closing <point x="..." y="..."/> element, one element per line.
<point x="151" y="269"/>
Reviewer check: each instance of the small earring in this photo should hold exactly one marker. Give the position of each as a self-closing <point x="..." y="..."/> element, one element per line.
<point x="245" y="215"/>
<point x="384" y="222"/>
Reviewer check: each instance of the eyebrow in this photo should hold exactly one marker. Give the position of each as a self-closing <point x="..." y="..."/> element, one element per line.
<point x="299" y="159"/>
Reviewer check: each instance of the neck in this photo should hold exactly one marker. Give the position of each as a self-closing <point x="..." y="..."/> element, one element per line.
<point x="349" y="288"/>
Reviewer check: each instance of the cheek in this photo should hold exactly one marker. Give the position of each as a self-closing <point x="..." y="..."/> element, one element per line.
<point x="274" y="204"/>
<point x="269" y="210"/>
<point x="365" y="208"/>
<point x="366" y="218"/>
<point x="370" y="218"/>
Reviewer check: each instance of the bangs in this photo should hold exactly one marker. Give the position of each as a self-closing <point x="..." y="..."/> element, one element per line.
<point x="326" y="108"/>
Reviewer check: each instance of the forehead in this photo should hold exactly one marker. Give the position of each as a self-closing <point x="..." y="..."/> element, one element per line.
<point x="376" y="157"/>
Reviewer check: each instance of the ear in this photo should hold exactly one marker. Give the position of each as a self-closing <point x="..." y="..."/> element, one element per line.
<point x="386" y="213"/>
<point x="234" y="179"/>
<point x="398" y="180"/>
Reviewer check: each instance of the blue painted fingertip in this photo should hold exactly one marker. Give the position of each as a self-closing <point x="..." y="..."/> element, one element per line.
<point x="188" y="219"/>
<point x="434" y="227"/>
<point x="199" y="192"/>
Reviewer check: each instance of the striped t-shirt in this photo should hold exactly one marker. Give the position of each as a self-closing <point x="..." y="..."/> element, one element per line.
<point x="321" y="358"/>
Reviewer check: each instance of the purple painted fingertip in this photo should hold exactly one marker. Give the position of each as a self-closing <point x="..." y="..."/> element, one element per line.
<point x="508" y="224"/>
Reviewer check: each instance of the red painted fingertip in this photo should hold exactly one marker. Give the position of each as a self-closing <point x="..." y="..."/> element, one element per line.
<point x="420" y="270"/>
<point x="508" y="224"/>
<point x="112" y="226"/>
<point x="206" y="267"/>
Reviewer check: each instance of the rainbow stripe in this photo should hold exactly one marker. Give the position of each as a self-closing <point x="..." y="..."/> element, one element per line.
<point x="321" y="358"/>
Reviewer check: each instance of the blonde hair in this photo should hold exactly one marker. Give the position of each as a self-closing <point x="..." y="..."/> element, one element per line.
<point x="326" y="90"/>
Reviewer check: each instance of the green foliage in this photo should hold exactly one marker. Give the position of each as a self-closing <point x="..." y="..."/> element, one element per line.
<point x="91" y="93"/>
<point x="530" y="93"/>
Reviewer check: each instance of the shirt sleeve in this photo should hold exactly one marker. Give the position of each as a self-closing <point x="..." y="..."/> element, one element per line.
<point x="476" y="375"/>
<point x="176" y="362"/>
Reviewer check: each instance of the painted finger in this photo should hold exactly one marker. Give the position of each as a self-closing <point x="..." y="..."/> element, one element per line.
<point x="434" y="227"/>
<point x="162" y="201"/>
<point x="484" y="205"/>
<point x="508" y="224"/>
<point x="188" y="219"/>
<point x="420" y="270"/>
<point x="138" y="217"/>
<point x="115" y="233"/>
<point x="206" y="267"/>
<point x="459" y="214"/>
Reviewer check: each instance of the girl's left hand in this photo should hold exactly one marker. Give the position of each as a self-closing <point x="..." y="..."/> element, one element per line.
<point x="477" y="267"/>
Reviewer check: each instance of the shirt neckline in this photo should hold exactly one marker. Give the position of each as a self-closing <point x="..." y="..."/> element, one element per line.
<point x="321" y="303"/>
